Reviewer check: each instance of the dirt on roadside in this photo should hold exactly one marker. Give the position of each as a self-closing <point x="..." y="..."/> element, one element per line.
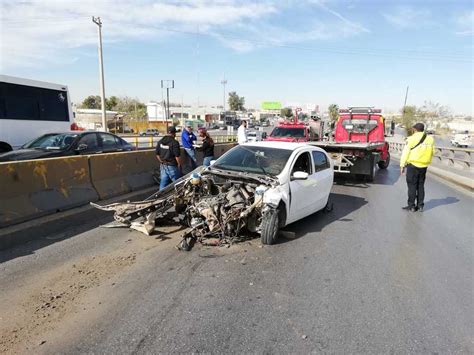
<point x="42" y="302"/>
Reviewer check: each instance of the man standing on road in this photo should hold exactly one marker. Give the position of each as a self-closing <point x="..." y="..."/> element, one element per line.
<point x="242" y="132"/>
<point x="168" y="154"/>
<point x="416" y="157"/>
<point x="187" y="140"/>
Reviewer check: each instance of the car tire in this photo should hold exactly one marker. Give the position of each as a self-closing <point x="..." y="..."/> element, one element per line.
<point x="5" y="147"/>
<point x="383" y="164"/>
<point x="371" y="175"/>
<point x="270" y="226"/>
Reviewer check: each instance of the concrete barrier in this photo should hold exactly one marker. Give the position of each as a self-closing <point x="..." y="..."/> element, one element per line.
<point x="119" y="173"/>
<point x="32" y="188"/>
<point x="29" y="189"/>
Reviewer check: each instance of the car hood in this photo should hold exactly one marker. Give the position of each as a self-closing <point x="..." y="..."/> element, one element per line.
<point x="27" y="154"/>
<point x="285" y="139"/>
<point x="262" y="179"/>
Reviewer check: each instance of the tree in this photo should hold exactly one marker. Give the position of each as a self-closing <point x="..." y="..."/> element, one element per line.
<point x="409" y="115"/>
<point x="111" y="103"/>
<point x="286" y="112"/>
<point x="92" y="102"/>
<point x="333" y="112"/>
<point x="236" y="102"/>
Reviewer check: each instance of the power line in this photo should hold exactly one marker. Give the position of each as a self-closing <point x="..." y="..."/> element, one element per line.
<point x="406" y="54"/>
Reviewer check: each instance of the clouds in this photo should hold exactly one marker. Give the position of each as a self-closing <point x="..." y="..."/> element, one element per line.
<point x="465" y="23"/>
<point x="407" y="17"/>
<point x="42" y="32"/>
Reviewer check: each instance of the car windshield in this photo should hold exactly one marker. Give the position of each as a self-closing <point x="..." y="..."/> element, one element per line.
<point x="52" y="141"/>
<point x="257" y="160"/>
<point x="288" y="132"/>
<point x="359" y="125"/>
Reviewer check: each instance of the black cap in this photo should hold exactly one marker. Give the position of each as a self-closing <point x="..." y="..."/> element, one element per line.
<point x="171" y="129"/>
<point x="420" y="127"/>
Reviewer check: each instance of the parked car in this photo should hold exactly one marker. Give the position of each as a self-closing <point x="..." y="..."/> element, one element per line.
<point x="150" y="132"/>
<point x="462" y="140"/>
<point x="53" y="145"/>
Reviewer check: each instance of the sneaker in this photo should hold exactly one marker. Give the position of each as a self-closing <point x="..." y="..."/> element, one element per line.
<point x="409" y="208"/>
<point x="420" y="209"/>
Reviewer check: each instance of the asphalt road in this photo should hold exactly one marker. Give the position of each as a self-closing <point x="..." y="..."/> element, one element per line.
<point x="367" y="278"/>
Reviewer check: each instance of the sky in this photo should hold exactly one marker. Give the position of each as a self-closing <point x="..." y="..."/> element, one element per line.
<point x="349" y="52"/>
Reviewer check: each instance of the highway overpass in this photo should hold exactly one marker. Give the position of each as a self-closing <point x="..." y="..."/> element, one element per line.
<point x="365" y="278"/>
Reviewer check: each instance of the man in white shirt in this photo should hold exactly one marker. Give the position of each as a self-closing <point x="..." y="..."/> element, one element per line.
<point x="242" y="132"/>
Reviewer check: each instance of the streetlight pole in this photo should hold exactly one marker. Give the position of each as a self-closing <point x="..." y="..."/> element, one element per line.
<point x="224" y="82"/>
<point x="168" y="84"/>
<point x="98" y="22"/>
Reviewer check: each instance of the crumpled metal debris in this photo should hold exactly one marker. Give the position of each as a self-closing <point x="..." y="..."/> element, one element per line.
<point x="215" y="206"/>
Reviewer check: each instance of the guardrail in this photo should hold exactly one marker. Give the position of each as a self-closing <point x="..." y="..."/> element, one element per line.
<point x="449" y="156"/>
<point x="144" y="142"/>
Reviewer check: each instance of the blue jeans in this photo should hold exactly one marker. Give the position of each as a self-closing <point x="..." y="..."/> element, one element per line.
<point x="207" y="161"/>
<point x="192" y="156"/>
<point x="168" y="173"/>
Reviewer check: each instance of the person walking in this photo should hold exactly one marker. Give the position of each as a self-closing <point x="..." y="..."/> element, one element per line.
<point x="242" y="132"/>
<point x="207" y="147"/>
<point x="168" y="154"/>
<point x="416" y="157"/>
<point x="187" y="141"/>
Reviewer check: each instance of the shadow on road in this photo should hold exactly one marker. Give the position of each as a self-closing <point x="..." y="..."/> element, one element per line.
<point x="436" y="202"/>
<point x="53" y="233"/>
<point x="382" y="177"/>
<point x="343" y="205"/>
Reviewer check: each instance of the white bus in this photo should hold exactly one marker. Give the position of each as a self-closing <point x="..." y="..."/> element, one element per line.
<point x="30" y="108"/>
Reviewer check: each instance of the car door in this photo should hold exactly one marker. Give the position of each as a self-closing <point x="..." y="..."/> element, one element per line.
<point x="88" y="144"/>
<point x="303" y="197"/>
<point x="324" y="176"/>
<point x="109" y="143"/>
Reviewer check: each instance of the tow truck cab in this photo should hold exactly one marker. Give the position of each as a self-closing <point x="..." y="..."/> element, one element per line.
<point x="362" y="125"/>
<point x="289" y="132"/>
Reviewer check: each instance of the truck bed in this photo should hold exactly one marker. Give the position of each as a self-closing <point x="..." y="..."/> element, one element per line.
<point x="348" y="145"/>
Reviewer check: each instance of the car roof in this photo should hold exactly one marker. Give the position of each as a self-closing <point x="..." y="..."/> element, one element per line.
<point x="78" y="132"/>
<point x="281" y="145"/>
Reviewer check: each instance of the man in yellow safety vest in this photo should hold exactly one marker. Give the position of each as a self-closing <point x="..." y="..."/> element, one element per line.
<point x="416" y="157"/>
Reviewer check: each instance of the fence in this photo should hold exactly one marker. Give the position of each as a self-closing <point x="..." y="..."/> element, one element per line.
<point x="449" y="156"/>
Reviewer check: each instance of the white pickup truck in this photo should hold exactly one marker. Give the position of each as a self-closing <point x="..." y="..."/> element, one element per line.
<point x="462" y="140"/>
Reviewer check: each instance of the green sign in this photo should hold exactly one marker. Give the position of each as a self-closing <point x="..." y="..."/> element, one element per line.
<point x="271" y="105"/>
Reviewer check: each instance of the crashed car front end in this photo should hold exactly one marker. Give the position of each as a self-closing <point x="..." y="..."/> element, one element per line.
<point x="216" y="205"/>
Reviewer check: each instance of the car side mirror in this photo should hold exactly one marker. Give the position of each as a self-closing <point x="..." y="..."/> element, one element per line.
<point x="264" y="135"/>
<point x="81" y="147"/>
<point x="299" y="175"/>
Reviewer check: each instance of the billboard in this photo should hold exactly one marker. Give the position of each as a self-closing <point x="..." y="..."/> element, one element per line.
<point x="271" y="105"/>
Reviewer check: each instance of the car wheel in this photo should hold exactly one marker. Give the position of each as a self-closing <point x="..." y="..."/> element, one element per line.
<point x="371" y="175"/>
<point x="5" y="147"/>
<point x="270" y="226"/>
<point x="383" y="164"/>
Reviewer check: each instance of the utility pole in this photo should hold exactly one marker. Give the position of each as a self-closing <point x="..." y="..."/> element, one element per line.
<point x="406" y="97"/>
<point x="98" y="22"/>
<point x="168" y="84"/>
<point x="224" y="82"/>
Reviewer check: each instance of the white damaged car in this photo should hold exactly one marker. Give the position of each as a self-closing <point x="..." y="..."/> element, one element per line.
<point x="256" y="187"/>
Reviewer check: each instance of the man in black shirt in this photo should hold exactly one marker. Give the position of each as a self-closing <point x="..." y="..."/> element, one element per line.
<point x="168" y="154"/>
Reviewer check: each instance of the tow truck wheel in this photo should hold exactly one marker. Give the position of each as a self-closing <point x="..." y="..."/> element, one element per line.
<point x="383" y="164"/>
<point x="270" y="225"/>
<point x="371" y="175"/>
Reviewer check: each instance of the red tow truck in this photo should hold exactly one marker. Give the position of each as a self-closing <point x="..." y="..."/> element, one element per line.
<point x="295" y="131"/>
<point x="358" y="146"/>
